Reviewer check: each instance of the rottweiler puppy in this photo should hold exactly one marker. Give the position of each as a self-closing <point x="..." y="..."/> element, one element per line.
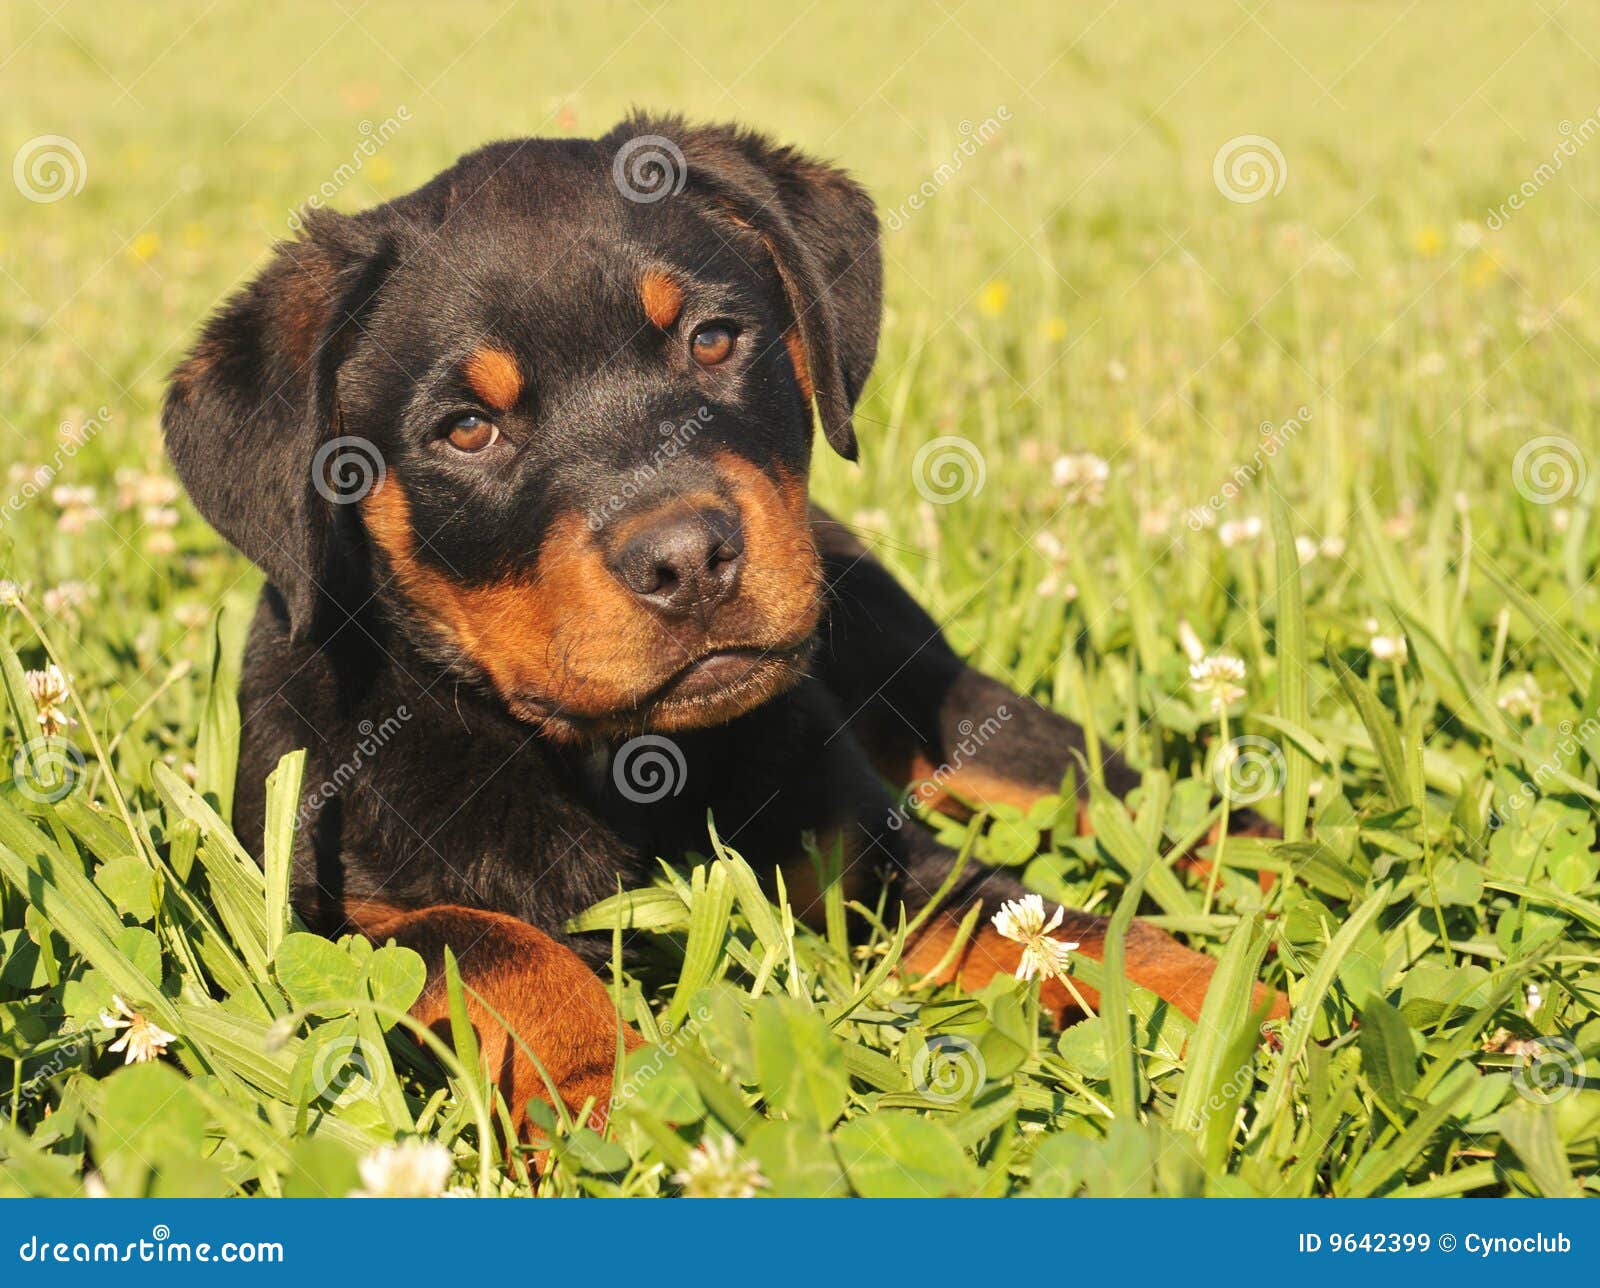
<point x="523" y="456"/>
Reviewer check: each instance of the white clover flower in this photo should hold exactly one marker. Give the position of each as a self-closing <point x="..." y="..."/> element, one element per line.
<point x="1155" y="520"/>
<point x="1305" y="549"/>
<point x="10" y="594"/>
<point x="1082" y="476"/>
<point x="1219" y="677"/>
<point x="1332" y="547"/>
<point x="411" y="1169"/>
<point x="1053" y="587"/>
<point x="51" y="692"/>
<point x="1523" y="698"/>
<point x="1049" y="545"/>
<point x="1189" y="641"/>
<point x="67" y="497"/>
<point x="1386" y="648"/>
<point x="1397" y="527"/>
<point x="1023" y="922"/>
<point x="715" y="1171"/>
<point x="1237" y="532"/>
<point x="142" y="1039"/>
<point x="66" y="598"/>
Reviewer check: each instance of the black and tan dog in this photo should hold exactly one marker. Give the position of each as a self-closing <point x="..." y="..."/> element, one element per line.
<point x="586" y="413"/>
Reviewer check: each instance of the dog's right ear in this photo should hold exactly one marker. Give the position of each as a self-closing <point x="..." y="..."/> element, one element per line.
<point x="247" y="411"/>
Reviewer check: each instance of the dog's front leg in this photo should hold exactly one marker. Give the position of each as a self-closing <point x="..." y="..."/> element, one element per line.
<point x="922" y="714"/>
<point x="516" y="976"/>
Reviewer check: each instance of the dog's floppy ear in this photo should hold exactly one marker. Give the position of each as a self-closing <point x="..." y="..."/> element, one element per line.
<point x="246" y="412"/>
<point x="820" y="227"/>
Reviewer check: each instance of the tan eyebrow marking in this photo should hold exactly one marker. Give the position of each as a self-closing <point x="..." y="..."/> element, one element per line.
<point x="494" y="377"/>
<point x="797" y="355"/>
<point x="662" y="298"/>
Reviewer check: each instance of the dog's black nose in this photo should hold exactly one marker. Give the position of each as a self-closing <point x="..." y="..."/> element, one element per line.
<point x="686" y="562"/>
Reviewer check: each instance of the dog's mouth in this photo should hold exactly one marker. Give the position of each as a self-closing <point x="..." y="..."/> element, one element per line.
<point x="709" y="689"/>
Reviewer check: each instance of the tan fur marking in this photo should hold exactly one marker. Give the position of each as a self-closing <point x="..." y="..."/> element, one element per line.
<point x="494" y="377"/>
<point x="570" y="637"/>
<point x="662" y="298"/>
<point x="802" y="368"/>
<point x="1155" y="960"/>
<point x="551" y="1001"/>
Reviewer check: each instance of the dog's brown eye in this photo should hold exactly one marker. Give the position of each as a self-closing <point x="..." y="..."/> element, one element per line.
<point x="473" y="434"/>
<point x="712" y="344"/>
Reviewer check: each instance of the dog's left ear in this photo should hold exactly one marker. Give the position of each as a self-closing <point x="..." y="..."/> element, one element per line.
<point x="820" y="227"/>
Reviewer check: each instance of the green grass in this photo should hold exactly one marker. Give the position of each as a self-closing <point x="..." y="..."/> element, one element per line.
<point x="1080" y="285"/>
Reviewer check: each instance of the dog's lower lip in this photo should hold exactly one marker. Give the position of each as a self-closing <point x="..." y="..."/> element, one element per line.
<point x="713" y="671"/>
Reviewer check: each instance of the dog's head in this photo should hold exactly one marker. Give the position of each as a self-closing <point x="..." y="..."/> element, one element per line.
<point x="552" y="414"/>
